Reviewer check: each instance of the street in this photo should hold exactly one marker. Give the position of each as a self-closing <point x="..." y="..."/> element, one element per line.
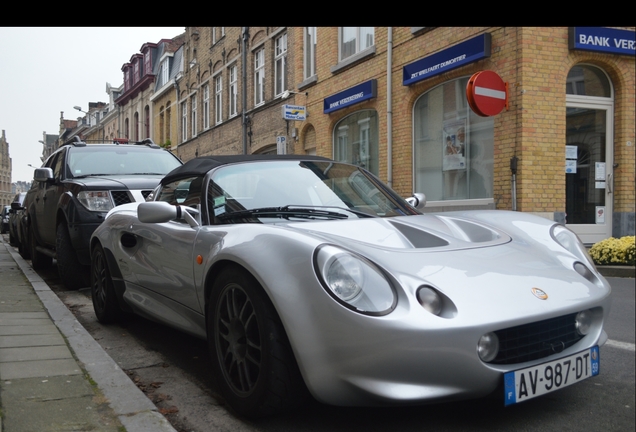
<point x="172" y="369"/>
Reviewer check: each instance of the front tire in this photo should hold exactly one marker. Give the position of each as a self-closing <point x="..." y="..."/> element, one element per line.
<point x="38" y="259"/>
<point x="72" y="273"/>
<point x="253" y="362"/>
<point x="105" y="303"/>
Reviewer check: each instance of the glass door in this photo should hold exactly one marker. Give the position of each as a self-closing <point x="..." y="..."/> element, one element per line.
<point x="589" y="170"/>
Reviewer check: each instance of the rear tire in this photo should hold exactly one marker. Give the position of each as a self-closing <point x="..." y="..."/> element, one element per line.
<point x="252" y="360"/>
<point x="38" y="259"/>
<point x="105" y="302"/>
<point x="73" y="274"/>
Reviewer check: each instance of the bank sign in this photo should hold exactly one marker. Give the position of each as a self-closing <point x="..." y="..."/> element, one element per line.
<point x="602" y="39"/>
<point x="351" y="96"/>
<point x="458" y="55"/>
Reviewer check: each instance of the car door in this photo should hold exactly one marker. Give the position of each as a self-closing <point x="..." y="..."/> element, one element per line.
<point x="164" y="259"/>
<point x="46" y="199"/>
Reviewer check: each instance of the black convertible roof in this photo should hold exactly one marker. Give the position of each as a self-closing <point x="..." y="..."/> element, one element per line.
<point x="201" y="165"/>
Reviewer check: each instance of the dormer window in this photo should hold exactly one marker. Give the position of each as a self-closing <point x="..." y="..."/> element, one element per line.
<point x="147" y="62"/>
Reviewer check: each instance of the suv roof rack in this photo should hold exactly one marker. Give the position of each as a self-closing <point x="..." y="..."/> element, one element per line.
<point x="150" y="143"/>
<point x="75" y="141"/>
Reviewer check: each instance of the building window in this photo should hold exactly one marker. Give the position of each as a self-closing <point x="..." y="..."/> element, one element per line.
<point x="218" y="101"/>
<point x="193" y="105"/>
<point x="136" y="118"/>
<point x="355" y="39"/>
<point x="309" y="67"/>
<point x="162" y="119"/>
<point x="280" y="64"/>
<point x="147" y="63"/>
<point x="184" y="121"/>
<point x="206" y="106"/>
<point x="453" y="147"/>
<point x="136" y="71"/>
<point x="259" y="76"/>
<point x="165" y="72"/>
<point x="147" y="121"/>
<point x="168" y="123"/>
<point x="233" y="91"/>
<point x="356" y="140"/>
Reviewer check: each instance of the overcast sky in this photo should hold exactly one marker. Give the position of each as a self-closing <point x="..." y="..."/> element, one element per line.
<point x="45" y="70"/>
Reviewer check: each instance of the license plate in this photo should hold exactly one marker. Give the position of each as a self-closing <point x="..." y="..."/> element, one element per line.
<point x="535" y="381"/>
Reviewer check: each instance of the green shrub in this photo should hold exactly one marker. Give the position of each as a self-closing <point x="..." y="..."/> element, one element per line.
<point x="614" y="251"/>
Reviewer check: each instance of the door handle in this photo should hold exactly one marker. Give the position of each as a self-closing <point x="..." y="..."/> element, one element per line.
<point x="610" y="186"/>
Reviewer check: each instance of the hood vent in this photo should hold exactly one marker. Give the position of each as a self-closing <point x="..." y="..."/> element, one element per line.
<point x="418" y="237"/>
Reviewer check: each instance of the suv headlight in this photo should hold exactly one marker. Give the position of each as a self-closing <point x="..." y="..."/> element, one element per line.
<point x="96" y="200"/>
<point x="354" y="281"/>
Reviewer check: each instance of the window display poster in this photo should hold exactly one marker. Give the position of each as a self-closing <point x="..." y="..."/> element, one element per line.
<point x="454" y="145"/>
<point x="570" y="167"/>
<point x="571" y="152"/>
<point x="600" y="214"/>
<point x="599" y="171"/>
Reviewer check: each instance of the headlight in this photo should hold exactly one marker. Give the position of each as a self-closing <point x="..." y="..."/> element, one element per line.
<point x="583" y="322"/>
<point x="571" y="243"/>
<point x="96" y="200"/>
<point x="430" y="300"/>
<point x="488" y="347"/>
<point x="354" y="281"/>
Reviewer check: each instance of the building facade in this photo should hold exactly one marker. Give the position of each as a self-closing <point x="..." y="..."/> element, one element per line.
<point x="6" y="195"/>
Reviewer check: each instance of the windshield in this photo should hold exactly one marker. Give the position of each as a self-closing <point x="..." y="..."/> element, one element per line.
<point x="288" y="188"/>
<point x="120" y="160"/>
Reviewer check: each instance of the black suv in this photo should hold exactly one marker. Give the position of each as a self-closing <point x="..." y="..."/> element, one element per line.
<point x="75" y="188"/>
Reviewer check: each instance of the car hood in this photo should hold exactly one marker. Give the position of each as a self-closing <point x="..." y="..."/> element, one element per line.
<point x="409" y="232"/>
<point x="119" y="182"/>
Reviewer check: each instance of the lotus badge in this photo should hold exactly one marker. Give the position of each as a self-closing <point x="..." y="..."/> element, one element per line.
<point x="539" y="293"/>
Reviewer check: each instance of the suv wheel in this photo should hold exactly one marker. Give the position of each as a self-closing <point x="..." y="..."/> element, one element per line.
<point x="38" y="259"/>
<point x="73" y="274"/>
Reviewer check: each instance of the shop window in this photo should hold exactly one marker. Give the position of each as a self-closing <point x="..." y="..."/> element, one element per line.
<point x="453" y="147"/>
<point x="356" y="140"/>
<point x="587" y="81"/>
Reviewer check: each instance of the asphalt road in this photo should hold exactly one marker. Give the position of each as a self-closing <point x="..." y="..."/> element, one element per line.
<point x="172" y="369"/>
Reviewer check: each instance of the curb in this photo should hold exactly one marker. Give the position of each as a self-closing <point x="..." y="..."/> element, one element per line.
<point x="133" y="408"/>
<point x="617" y="271"/>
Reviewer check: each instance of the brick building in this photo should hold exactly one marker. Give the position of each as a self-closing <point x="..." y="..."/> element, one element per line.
<point x="394" y="100"/>
<point x="6" y="195"/>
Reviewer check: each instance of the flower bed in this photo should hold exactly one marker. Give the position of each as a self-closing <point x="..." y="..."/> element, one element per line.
<point x="613" y="251"/>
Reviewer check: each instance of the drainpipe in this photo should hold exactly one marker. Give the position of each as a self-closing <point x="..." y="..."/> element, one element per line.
<point x="513" y="170"/>
<point x="245" y="37"/>
<point x="389" y="109"/>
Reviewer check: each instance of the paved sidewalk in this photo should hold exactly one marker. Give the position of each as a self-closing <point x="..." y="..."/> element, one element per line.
<point x="53" y="375"/>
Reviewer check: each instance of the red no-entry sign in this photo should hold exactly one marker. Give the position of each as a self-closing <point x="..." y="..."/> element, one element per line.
<point x="487" y="93"/>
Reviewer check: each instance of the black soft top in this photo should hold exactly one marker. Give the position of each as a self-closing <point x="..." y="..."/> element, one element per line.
<point x="201" y="165"/>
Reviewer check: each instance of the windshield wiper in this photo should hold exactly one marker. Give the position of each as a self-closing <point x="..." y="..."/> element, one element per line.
<point x="285" y="212"/>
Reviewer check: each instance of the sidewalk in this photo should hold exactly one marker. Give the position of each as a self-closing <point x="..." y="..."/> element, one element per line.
<point x="53" y="375"/>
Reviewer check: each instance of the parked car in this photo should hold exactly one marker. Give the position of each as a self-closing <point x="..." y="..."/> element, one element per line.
<point x="308" y="274"/>
<point x="4" y="219"/>
<point x="14" y="214"/>
<point x="75" y="188"/>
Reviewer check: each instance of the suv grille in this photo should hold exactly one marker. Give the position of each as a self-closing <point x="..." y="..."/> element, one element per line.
<point x="121" y="197"/>
<point x="536" y="340"/>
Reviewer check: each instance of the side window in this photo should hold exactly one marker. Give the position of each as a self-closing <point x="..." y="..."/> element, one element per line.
<point x="182" y="192"/>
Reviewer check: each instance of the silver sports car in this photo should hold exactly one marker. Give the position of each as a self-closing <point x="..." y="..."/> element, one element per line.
<point x="311" y="277"/>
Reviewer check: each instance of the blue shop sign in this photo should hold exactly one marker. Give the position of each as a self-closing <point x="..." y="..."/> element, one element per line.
<point x="602" y="39"/>
<point x="351" y="96"/>
<point x="461" y="54"/>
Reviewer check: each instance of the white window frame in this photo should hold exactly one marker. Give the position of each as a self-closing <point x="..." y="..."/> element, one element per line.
<point x="206" y="106"/>
<point x="184" y="121"/>
<point x="233" y="91"/>
<point x="194" y="114"/>
<point x="280" y="66"/>
<point x="259" y="76"/>
<point x="355" y="36"/>
<point x="309" y="53"/>
<point x="218" y="99"/>
<point x="165" y="71"/>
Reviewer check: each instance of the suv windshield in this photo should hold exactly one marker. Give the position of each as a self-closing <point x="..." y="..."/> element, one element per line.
<point x="290" y="185"/>
<point x="120" y="160"/>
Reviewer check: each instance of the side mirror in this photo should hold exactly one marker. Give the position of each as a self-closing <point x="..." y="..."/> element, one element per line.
<point x="43" y="174"/>
<point x="161" y="211"/>
<point x="15" y="206"/>
<point x="418" y="200"/>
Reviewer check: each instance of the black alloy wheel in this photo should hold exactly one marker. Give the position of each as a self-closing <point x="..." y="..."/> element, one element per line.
<point x="253" y="363"/>
<point x="105" y="302"/>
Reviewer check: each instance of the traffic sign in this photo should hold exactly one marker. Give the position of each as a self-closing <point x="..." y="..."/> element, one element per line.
<point x="487" y="93"/>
